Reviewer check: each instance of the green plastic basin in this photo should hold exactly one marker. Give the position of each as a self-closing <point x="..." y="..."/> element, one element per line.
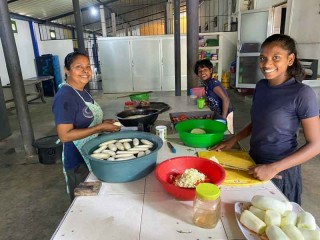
<point x="214" y="132"/>
<point x="139" y="97"/>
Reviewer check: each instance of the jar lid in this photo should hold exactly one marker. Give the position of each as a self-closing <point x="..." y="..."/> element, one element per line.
<point x="207" y="191"/>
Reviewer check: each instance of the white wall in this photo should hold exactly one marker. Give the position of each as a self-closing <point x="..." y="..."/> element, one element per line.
<point x="25" y="52"/>
<point x="305" y="30"/>
<point x="57" y="47"/>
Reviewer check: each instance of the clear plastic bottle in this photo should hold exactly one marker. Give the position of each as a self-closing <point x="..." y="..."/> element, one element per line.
<point x="206" y="205"/>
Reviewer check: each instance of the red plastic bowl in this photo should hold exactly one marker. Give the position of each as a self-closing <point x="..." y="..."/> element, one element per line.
<point x="212" y="170"/>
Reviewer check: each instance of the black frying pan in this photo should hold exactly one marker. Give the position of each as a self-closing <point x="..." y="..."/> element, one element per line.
<point x="148" y="118"/>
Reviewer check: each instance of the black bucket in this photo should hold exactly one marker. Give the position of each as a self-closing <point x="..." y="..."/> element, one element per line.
<point x="49" y="152"/>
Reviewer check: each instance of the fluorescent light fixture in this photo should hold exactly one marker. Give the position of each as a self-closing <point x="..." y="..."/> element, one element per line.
<point x="14" y="26"/>
<point x="93" y="11"/>
<point x="52" y="34"/>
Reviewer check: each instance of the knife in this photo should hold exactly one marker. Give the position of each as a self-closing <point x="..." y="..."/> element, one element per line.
<point x="173" y="150"/>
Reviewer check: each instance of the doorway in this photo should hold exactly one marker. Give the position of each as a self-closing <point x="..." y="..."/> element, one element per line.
<point x="279" y="17"/>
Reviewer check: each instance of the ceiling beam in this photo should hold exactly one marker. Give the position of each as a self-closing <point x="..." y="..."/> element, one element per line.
<point x="82" y="9"/>
<point x="11" y="1"/>
<point x="129" y="12"/>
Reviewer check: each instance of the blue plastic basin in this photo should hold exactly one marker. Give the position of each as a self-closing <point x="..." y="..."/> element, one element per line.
<point x="127" y="170"/>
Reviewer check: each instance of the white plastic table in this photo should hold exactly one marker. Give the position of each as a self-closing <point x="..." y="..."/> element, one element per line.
<point x="143" y="210"/>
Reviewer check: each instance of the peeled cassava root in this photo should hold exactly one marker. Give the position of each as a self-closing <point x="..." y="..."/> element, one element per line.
<point x="277" y="220"/>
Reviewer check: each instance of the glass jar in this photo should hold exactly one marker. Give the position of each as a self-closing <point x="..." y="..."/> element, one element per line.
<point x="206" y="205"/>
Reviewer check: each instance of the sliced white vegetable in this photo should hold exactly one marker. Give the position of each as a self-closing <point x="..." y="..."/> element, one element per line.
<point x="129" y="151"/>
<point x="292" y="232"/>
<point x="100" y="149"/>
<point x="125" y="140"/>
<point x="140" y="154"/>
<point x="147" y="142"/>
<point x="251" y="221"/>
<point x="147" y="152"/>
<point x="144" y="146"/>
<point x="126" y="158"/>
<point x="111" y="159"/>
<point x="272" y="217"/>
<point x="119" y="146"/>
<point x="135" y="142"/>
<point x="111" y="153"/>
<point x="124" y="155"/>
<point x="275" y="233"/>
<point x="100" y="155"/>
<point x="138" y="149"/>
<point x="289" y="218"/>
<point x="117" y="124"/>
<point x="107" y="142"/>
<point x="306" y="221"/>
<point x="268" y="203"/>
<point x="310" y="234"/>
<point x="126" y="145"/>
<point x="112" y="147"/>
<point x="258" y="212"/>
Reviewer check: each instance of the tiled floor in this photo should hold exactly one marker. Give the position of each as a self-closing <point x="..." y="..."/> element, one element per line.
<point x="33" y="197"/>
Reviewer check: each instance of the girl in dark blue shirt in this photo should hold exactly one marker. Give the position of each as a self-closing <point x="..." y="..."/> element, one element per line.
<point x="280" y="104"/>
<point x="217" y="96"/>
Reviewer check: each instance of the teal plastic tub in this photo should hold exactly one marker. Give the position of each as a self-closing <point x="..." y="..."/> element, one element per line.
<point x="214" y="132"/>
<point x="126" y="170"/>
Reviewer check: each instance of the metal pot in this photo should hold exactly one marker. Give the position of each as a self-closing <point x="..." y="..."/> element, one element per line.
<point x="148" y="117"/>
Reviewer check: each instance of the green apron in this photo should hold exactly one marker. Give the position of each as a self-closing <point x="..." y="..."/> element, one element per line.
<point x="97" y="119"/>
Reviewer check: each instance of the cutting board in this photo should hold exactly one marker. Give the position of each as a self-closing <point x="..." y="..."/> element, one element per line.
<point x="235" y="158"/>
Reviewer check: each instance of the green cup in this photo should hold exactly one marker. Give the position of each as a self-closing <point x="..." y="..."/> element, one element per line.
<point x="201" y="102"/>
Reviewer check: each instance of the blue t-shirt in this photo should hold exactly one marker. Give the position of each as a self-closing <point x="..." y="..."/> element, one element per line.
<point x="69" y="108"/>
<point x="214" y="101"/>
<point x="276" y="113"/>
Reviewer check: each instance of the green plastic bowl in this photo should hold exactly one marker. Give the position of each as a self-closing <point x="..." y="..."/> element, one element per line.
<point x="139" y="97"/>
<point x="214" y="132"/>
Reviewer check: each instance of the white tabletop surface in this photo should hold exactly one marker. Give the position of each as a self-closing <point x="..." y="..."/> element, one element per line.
<point x="143" y="210"/>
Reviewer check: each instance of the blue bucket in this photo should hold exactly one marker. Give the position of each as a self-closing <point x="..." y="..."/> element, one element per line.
<point x="125" y="170"/>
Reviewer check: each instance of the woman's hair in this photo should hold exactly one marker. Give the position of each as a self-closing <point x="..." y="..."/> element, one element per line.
<point x="202" y="64"/>
<point x="71" y="57"/>
<point x="286" y="42"/>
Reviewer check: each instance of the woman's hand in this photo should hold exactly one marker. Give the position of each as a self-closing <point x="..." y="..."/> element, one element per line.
<point x="225" y="145"/>
<point x="109" y="121"/>
<point x="263" y="172"/>
<point x="107" y="126"/>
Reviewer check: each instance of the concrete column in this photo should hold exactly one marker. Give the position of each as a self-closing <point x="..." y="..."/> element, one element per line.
<point x="126" y="29"/>
<point x="114" y="24"/>
<point x="103" y="21"/>
<point x="16" y="81"/>
<point x="192" y="42"/>
<point x="177" y="48"/>
<point x="229" y="14"/>
<point x="79" y="28"/>
<point x="169" y="17"/>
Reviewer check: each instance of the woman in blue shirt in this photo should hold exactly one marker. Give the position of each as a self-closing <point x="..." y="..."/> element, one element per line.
<point x="280" y="104"/>
<point x="78" y="119"/>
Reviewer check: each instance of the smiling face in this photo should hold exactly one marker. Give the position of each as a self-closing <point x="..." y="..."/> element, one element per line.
<point x="204" y="73"/>
<point x="80" y="72"/>
<point x="274" y="62"/>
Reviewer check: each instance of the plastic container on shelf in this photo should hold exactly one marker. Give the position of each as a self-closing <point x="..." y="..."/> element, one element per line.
<point x="206" y="205"/>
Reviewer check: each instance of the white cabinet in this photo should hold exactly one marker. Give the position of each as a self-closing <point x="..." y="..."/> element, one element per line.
<point x="136" y="64"/>
<point x="220" y="48"/>
<point x="115" y="66"/>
